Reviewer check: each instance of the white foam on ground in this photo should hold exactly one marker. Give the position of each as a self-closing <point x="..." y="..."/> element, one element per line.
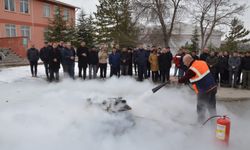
<point x="36" y="115"/>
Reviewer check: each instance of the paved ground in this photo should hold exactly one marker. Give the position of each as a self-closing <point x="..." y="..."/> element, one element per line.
<point x="227" y="94"/>
<point x="232" y="94"/>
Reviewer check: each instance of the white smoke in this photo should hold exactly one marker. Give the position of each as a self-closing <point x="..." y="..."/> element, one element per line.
<point x="36" y="115"/>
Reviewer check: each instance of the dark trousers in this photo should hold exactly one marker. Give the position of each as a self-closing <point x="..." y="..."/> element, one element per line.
<point x="168" y="74"/>
<point x="142" y="71"/>
<point x="70" y="70"/>
<point x="148" y="70"/>
<point x="176" y="69"/>
<point x="154" y="76"/>
<point x="165" y="74"/>
<point x="215" y="74"/>
<point x="103" y="70"/>
<point x="135" y="68"/>
<point x="115" y="71"/>
<point x="54" y="75"/>
<point x="224" y="74"/>
<point x="47" y="71"/>
<point x="239" y="77"/>
<point x="233" y="77"/>
<point x="82" y="70"/>
<point x="64" y="66"/>
<point x="246" y="79"/>
<point x="130" y="69"/>
<point x="92" y="71"/>
<point x="33" y="68"/>
<point x="124" y="70"/>
<point x="206" y="101"/>
<point x="181" y="73"/>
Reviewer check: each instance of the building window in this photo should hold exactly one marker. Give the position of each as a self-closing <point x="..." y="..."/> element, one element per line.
<point x="66" y="14"/>
<point x="10" y="30"/>
<point x="9" y="5"/>
<point x="24" y="6"/>
<point x="25" y="30"/>
<point x="46" y="10"/>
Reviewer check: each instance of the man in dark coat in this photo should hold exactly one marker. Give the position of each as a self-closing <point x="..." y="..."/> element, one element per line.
<point x="194" y="55"/>
<point x="93" y="62"/>
<point x="165" y="63"/>
<point x="130" y="62"/>
<point x="134" y="52"/>
<point x="234" y="63"/>
<point x="114" y="61"/>
<point x="61" y="47"/>
<point x="204" y="54"/>
<point x="148" y="51"/>
<point x="241" y="56"/>
<point x="54" y="63"/>
<point x="246" y="71"/>
<point x="69" y="60"/>
<point x="44" y="56"/>
<point x="124" y="61"/>
<point x="225" y="77"/>
<point x="212" y="62"/>
<point x="33" y="57"/>
<point x="142" y="59"/>
<point x="222" y="66"/>
<point x="82" y="54"/>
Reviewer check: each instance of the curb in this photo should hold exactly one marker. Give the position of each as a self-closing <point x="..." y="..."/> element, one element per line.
<point x="230" y="99"/>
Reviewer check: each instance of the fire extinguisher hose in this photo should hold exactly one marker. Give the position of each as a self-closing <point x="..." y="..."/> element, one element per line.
<point x="216" y="116"/>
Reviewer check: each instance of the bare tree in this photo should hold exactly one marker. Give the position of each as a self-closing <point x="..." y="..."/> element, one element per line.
<point x="164" y="11"/>
<point x="212" y="13"/>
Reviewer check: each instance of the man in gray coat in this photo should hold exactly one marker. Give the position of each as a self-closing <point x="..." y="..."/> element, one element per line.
<point x="234" y="66"/>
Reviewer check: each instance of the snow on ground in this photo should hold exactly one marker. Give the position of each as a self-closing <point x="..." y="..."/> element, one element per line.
<point x="37" y="115"/>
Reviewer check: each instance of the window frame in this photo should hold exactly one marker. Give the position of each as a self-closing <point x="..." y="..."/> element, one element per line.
<point x="9" y="30"/>
<point x="22" y="4"/>
<point x="9" y="8"/>
<point x="67" y="16"/>
<point x="45" y="8"/>
<point x="24" y="29"/>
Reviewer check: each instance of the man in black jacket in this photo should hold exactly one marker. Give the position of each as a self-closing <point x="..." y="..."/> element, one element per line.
<point x="54" y="62"/>
<point x="205" y="54"/>
<point x="124" y="61"/>
<point x="93" y="62"/>
<point x="165" y="63"/>
<point x="148" y="52"/>
<point x="33" y="57"/>
<point x="69" y="60"/>
<point x="141" y="59"/>
<point x="82" y="54"/>
<point x="246" y="71"/>
<point x="44" y="56"/>
<point x="221" y="67"/>
<point x="134" y="53"/>
<point x="130" y="62"/>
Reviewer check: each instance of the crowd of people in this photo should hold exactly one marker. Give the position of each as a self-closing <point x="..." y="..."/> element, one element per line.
<point x="126" y="61"/>
<point x="228" y="69"/>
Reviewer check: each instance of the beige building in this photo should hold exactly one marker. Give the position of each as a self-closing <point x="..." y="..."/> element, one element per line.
<point x="182" y="34"/>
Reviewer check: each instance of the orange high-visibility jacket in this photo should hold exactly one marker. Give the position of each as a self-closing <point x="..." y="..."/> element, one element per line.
<point x="203" y="80"/>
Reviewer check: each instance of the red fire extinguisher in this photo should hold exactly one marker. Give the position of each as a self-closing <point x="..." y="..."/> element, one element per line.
<point x="223" y="129"/>
<point x="223" y="124"/>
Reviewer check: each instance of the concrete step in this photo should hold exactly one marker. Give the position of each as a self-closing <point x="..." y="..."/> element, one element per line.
<point x="11" y="59"/>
